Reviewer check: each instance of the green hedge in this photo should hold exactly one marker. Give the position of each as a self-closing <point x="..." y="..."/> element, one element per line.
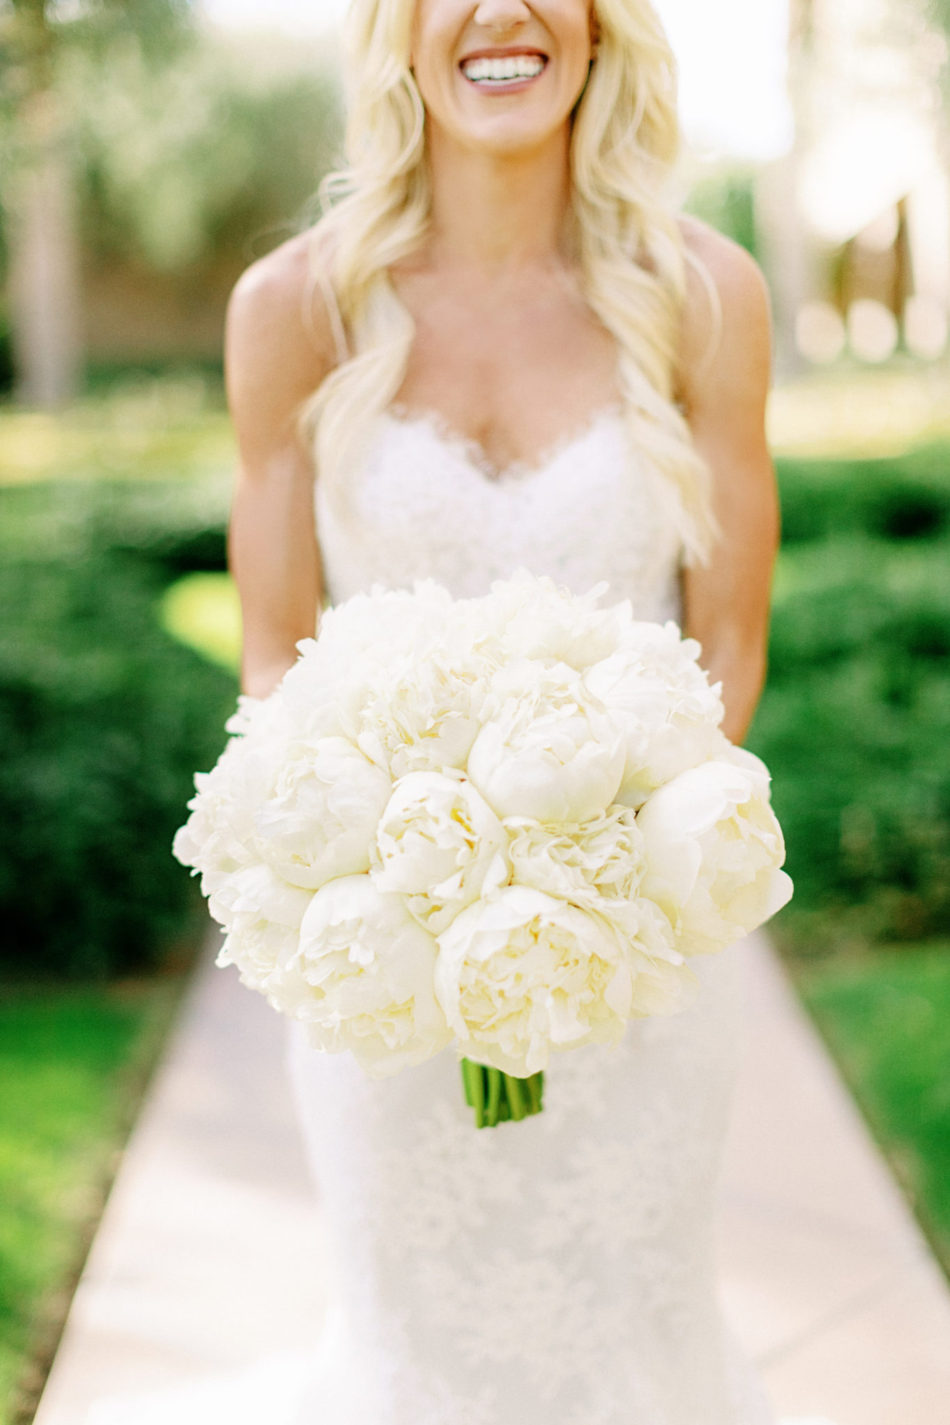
<point x="174" y="527"/>
<point x="900" y="498"/>
<point x="103" y="720"/>
<point x="855" y="720"/>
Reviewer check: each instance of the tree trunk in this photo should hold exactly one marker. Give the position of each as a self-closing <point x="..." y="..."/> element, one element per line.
<point x="43" y="243"/>
<point x="785" y="241"/>
<point x="786" y="256"/>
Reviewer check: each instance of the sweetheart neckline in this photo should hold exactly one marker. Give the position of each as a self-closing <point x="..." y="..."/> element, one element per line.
<point x="472" y="453"/>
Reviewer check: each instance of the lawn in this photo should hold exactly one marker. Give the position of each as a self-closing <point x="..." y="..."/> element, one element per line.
<point x="886" y="1020"/>
<point x="141" y="428"/>
<point x="74" y="1062"/>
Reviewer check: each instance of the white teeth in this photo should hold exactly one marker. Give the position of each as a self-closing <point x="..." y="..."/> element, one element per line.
<point x="503" y="70"/>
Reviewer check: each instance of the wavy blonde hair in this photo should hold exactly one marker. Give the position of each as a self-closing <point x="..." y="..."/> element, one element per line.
<point x="632" y="256"/>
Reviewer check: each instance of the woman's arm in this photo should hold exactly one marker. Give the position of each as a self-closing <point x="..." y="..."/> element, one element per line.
<point x="272" y="362"/>
<point x="727" y="603"/>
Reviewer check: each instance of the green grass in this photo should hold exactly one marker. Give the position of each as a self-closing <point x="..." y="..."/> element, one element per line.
<point x="855" y="410"/>
<point x="141" y="428"/>
<point x="886" y="1020"/>
<point x="73" y="1064"/>
<point x="202" y="611"/>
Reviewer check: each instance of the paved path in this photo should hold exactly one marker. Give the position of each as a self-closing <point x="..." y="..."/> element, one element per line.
<point x="203" y="1289"/>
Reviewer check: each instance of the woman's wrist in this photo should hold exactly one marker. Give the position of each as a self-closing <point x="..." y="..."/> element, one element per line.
<point x="260" y="680"/>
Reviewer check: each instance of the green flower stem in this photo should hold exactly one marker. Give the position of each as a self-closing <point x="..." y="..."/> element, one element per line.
<point x="494" y="1096"/>
<point x="497" y="1097"/>
<point x="468" y="1069"/>
<point x="516" y="1097"/>
<point x="474" y="1078"/>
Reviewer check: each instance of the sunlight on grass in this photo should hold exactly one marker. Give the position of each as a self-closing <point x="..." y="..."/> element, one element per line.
<point x="178" y="426"/>
<point x="860" y="411"/>
<point x="203" y="612"/>
<point x="145" y="428"/>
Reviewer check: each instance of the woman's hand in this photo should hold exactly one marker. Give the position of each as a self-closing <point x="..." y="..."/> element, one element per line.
<point x="726" y="604"/>
<point x="272" y="363"/>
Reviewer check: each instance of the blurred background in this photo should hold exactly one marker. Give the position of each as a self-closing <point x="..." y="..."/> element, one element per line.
<point x="149" y="151"/>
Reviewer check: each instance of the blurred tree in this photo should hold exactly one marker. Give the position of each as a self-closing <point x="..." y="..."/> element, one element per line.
<point x="726" y="200"/>
<point x="38" y="168"/>
<point x="937" y="16"/>
<point x="197" y="164"/>
<point x="940" y="12"/>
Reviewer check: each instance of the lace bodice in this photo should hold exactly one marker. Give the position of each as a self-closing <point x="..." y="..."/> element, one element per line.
<point x="426" y="504"/>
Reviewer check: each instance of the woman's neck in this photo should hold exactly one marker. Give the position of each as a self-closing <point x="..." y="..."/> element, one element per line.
<point x="498" y="214"/>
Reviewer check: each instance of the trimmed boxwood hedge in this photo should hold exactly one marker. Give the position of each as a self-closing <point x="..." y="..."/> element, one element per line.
<point x="855" y="719"/>
<point x="103" y="720"/>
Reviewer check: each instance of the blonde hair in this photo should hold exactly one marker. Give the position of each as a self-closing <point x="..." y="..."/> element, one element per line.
<point x="632" y="257"/>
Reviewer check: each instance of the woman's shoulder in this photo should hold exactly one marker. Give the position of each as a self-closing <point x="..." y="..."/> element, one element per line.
<point x="727" y="260"/>
<point x="279" y="331"/>
<point x="717" y="264"/>
<point x="727" y="295"/>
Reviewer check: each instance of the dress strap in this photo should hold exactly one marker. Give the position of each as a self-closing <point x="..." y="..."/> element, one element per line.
<point x="343" y="352"/>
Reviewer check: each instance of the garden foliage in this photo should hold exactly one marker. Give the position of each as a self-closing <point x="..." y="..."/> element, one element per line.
<point x="855" y="721"/>
<point x="103" y="719"/>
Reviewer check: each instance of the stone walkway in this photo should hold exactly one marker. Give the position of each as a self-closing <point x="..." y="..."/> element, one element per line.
<point x="203" y="1291"/>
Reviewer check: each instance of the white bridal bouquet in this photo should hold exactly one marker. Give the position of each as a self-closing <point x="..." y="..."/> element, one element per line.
<point x="504" y="823"/>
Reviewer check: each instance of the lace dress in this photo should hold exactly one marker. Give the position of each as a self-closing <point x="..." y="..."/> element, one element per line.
<point x="561" y="1270"/>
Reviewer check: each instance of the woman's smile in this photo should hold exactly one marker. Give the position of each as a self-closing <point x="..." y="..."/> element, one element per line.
<point x="503" y="71"/>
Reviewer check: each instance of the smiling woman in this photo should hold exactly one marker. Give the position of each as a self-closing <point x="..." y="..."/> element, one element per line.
<point x="502" y="346"/>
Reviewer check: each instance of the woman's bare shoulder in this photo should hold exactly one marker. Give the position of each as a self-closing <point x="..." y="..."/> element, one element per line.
<point x="742" y="305"/>
<point x="278" y="339"/>
<point x="727" y="260"/>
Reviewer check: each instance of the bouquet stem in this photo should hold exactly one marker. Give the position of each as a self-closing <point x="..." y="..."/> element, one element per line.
<point x="497" y="1097"/>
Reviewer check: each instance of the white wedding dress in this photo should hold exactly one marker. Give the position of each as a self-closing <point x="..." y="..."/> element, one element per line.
<point x="561" y="1270"/>
<point x="557" y="1271"/>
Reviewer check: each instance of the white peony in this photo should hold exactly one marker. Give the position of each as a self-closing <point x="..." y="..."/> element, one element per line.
<point x="424" y="715"/>
<point x="378" y="628"/>
<point x="440" y="845"/>
<point x="547" y="748"/>
<point x="525" y="973"/>
<point x="530" y="616"/>
<point x="662" y="700"/>
<point x="713" y="850"/>
<point x="318" y="696"/>
<point x="581" y="862"/>
<point x="319" y="817"/>
<point x="263" y="915"/>
<point x="362" y="978"/>
<point x="368" y="640"/>
<point x="599" y="866"/>
<point x="218" y="839"/>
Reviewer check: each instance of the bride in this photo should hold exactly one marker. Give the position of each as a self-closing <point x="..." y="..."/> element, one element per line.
<point x="503" y="346"/>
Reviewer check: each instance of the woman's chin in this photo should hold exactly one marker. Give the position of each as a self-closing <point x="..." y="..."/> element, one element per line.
<point x="509" y="135"/>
